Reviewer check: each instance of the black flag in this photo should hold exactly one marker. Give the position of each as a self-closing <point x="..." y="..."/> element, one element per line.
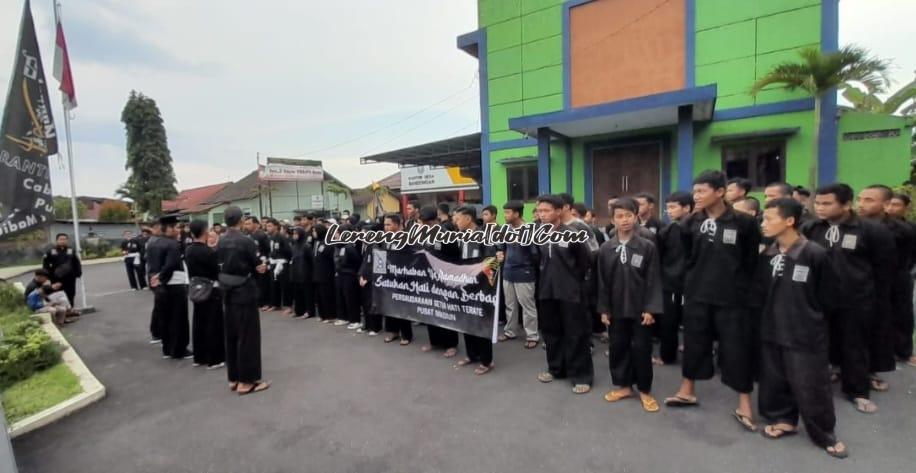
<point x="27" y="137"/>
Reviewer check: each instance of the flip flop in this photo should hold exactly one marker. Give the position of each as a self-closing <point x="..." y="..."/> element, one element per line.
<point x="838" y="454"/>
<point x="482" y="369"/>
<point x="405" y="342"/>
<point x="390" y="339"/>
<point x="617" y="395"/>
<point x="865" y="406"/>
<point x="769" y="432"/>
<point x="531" y="344"/>
<point x="260" y="386"/>
<point x="745" y="421"/>
<point x="879" y="384"/>
<point x="450" y="353"/>
<point x="581" y="389"/>
<point x="233" y="386"/>
<point x="679" y="401"/>
<point x="463" y="362"/>
<point x="649" y="404"/>
<point x="545" y="377"/>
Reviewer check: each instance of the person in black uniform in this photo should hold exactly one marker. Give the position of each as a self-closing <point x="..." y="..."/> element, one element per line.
<point x="372" y="319"/>
<point x="279" y="256"/>
<point x="897" y="209"/>
<point x="347" y="262"/>
<point x="629" y="299"/>
<point x="440" y="338"/>
<point x="862" y="253"/>
<point x="323" y="276"/>
<point x="63" y="264"/>
<point x="478" y="349"/>
<point x="565" y="325"/>
<point x="170" y="281"/>
<point x="899" y="303"/>
<point x="673" y="266"/>
<point x="239" y="262"/>
<point x="721" y="247"/>
<point x="207" y="333"/>
<point x="140" y="266"/>
<point x="131" y="260"/>
<point x="254" y="231"/>
<point x="794" y="278"/>
<point x="300" y="274"/>
<point x="648" y="213"/>
<point x="396" y="328"/>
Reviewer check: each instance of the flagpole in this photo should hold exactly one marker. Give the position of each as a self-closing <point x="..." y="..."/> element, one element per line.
<point x="85" y="307"/>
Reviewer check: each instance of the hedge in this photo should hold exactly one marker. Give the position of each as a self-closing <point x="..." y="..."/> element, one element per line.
<point x="25" y="347"/>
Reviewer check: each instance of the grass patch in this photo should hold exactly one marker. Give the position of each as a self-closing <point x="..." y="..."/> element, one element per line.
<point x="39" y="392"/>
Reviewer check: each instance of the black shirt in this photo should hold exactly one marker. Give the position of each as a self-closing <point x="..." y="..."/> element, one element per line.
<point x="165" y="258"/>
<point x="672" y="257"/>
<point x="301" y="262"/>
<point x="63" y="264"/>
<point x="237" y="254"/>
<point x="323" y="266"/>
<point x="629" y="280"/>
<point x="563" y="268"/>
<point x="347" y="259"/>
<point x="721" y="254"/>
<point x="279" y="247"/>
<point x="201" y="261"/>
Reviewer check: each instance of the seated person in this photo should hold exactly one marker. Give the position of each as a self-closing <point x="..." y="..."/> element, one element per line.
<point x="40" y="278"/>
<point x="45" y="299"/>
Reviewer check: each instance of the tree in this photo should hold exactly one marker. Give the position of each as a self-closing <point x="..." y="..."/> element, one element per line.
<point x="149" y="161"/>
<point x="114" y="211"/>
<point x="63" y="209"/>
<point x="869" y="100"/>
<point x="818" y="73"/>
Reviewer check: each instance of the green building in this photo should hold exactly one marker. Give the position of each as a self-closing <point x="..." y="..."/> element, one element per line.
<point x="613" y="97"/>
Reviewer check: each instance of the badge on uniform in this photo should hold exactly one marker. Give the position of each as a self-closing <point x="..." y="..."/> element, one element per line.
<point x="636" y="261"/>
<point x="343" y="251"/>
<point x="729" y="236"/>
<point x="849" y="242"/>
<point x="563" y="244"/>
<point x="800" y="273"/>
<point x="379" y="262"/>
<point x="653" y="230"/>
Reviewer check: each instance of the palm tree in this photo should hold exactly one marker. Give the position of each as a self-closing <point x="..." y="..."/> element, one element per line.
<point x="870" y="102"/>
<point x="818" y="73"/>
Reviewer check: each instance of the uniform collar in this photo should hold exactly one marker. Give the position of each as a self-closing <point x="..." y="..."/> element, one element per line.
<point x="794" y="251"/>
<point x="726" y="216"/>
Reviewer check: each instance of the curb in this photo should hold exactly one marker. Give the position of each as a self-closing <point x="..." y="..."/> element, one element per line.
<point x="19" y="271"/>
<point x="93" y="390"/>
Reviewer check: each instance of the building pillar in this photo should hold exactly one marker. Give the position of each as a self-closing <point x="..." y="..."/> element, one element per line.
<point x="543" y="160"/>
<point x="684" y="148"/>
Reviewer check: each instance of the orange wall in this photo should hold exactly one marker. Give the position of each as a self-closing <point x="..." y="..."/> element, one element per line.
<point x="622" y="49"/>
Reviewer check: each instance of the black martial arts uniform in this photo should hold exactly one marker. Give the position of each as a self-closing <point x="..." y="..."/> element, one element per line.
<point x="721" y="254"/>
<point x="207" y="332"/>
<point x="478" y="349"/>
<point x="262" y="242"/>
<point x="565" y="324"/>
<point x="151" y="252"/>
<point x="141" y="241"/>
<point x="63" y="265"/>
<point x="629" y="285"/>
<point x="673" y="267"/>
<point x="300" y="275"/>
<point x="654" y="225"/>
<point x="794" y="375"/>
<point x="373" y="320"/>
<point x="347" y="262"/>
<point x="442" y="337"/>
<point x="172" y="295"/>
<point x="133" y="263"/>
<point x="402" y="328"/>
<point x="238" y="260"/>
<point x="901" y="302"/>
<point x="279" y="257"/>
<point x="862" y="255"/>
<point x="323" y="277"/>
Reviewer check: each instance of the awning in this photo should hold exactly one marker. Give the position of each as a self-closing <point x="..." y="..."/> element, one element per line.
<point x="755" y="135"/>
<point x="461" y="151"/>
<point x="631" y="114"/>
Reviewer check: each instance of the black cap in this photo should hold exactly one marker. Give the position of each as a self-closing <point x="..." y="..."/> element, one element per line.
<point x="428" y="213"/>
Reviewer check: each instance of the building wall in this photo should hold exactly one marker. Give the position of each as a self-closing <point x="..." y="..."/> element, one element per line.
<point x="873" y="160"/>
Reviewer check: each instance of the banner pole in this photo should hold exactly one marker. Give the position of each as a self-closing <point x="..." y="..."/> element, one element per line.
<point x="75" y="208"/>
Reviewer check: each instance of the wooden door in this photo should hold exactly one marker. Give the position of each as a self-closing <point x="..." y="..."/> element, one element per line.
<point x="624" y="171"/>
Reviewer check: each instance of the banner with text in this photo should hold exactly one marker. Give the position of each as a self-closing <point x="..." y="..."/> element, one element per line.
<point x="278" y="169"/>
<point x="417" y="285"/>
<point x="27" y="137"/>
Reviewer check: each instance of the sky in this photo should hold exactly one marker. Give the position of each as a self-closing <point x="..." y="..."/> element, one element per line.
<point x="299" y="78"/>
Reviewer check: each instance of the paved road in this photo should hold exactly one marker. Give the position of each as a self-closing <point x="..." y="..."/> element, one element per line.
<point x="341" y="402"/>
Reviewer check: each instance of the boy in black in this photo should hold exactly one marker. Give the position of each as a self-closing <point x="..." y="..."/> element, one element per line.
<point x="673" y="266"/>
<point x="629" y="299"/>
<point x="279" y="257"/>
<point x="897" y="209"/>
<point x="478" y="349"/>
<point x="861" y="252"/>
<point x="648" y="215"/>
<point x="794" y="277"/>
<point x="63" y="265"/>
<point x="721" y="247"/>
<point x="565" y="324"/>
<point x="440" y="338"/>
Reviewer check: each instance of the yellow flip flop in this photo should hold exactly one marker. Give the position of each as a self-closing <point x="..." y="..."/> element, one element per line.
<point x="617" y="395"/>
<point x="649" y="404"/>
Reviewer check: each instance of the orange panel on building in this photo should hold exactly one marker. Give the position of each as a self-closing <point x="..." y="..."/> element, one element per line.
<point x="620" y="49"/>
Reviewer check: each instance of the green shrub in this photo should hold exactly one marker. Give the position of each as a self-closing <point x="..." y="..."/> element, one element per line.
<point x="24" y="346"/>
<point x="11" y="300"/>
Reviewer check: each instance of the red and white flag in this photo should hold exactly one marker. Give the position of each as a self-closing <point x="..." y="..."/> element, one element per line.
<point x="62" y="71"/>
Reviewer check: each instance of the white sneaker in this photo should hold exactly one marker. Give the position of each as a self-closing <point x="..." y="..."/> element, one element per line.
<point x="338" y="323"/>
<point x="360" y="330"/>
<point x="216" y="366"/>
<point x="353" y="326"/>
<point x="373" y="333"/>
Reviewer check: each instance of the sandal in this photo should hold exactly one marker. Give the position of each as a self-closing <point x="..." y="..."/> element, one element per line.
<point x="649" y="404"/>
<point x="879" y="384"/>
<point x="681" y="401"/>
<point x="483" y="369"/>
<point x="233" y="386"/>
<point x="426" y="348"/>
<point x="617" y="395"/>
<point x="463" y="362"/>
<point x="405" y="342"/>
<point x="529" y="344"/>
<point x="581" y="389"/>
<point x="745" y="421"/>
<point x="774" y="432"/>
<point x="865" y="406"/>
<point x="450" y="353"/>
<point x="838" y="450"/>
<point x="545" y="377"/>
<point x="255" y="388"/>
<point x="390" y="338"/>
<point x="504" y="338"/>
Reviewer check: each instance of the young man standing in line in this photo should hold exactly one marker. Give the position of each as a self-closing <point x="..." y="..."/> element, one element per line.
<point x="519" y="275"/>
<point x="673" y="266"/>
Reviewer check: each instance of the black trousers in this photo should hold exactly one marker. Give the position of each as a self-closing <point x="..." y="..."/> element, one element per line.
<point x="400" y="327"/>
<point x="902" y="302"/>
<point x="69" y="288"/>
<point x="303" y="298"/>
<point x="263" y="282"/>
<point x="731" y="326"/>
<point x="442" y="337"/>
<point x="478" y="349"/>
<point x="348" y="297"/>
<point x="280" y="291"/>
<point x="155" y="320"/>
<point x="207" y="332"/>
<point x="882" y="343"/>
<point x="141" y="275"/>
<point x="131" y="273"/>
<point x="373" y="321"/>
<point x="326" y="300"/>
<point x="175" y="334"/>
<point x="794" y="383"/>
<point x="566" y="329"/>
<point x="850" y="336"/>
<point x="631" y="354"/>
<point x="243" y="335"/>
<point x="669" y="325"/>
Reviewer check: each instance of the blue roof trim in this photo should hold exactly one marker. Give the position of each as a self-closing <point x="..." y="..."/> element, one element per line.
<point x="777" y="108"/>
<point x="470" y="42"/>
<point x="512" y="144"/>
